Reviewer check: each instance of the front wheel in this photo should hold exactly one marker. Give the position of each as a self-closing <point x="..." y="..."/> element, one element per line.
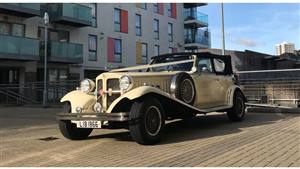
<point x="147" y="121"/>
<point x="69" y="130"/>
<point x="237" y="112"/>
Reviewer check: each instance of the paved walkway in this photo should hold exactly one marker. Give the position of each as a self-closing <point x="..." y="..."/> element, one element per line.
<point x="29" y="137"/>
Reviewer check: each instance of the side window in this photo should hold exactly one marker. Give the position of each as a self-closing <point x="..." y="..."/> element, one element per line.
<point x="219" y="65"/>
<point x="204" y="65"/>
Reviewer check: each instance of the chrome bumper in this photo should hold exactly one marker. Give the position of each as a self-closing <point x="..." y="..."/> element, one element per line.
<point x="122" y="116"/>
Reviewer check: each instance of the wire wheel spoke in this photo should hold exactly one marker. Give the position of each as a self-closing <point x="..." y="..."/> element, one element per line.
<point x="153" y="121"/>
<point x="187" y="91"/>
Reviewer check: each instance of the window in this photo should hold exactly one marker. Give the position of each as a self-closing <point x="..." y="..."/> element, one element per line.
<point x="170" y="32"/>
<point x="144" y="53"/>
<point x="114" y="50"/>
<point x="156" y="50"/>
<point x="4" y="28"/>
<point x="219" y="65"/>
<point x="55" y="75"/>
<point x="117" y="18"/>
<point x="118" y="50"/>
<point x="92" y="48"/>
<point x="121" y="20"/>
<point x="169" y="9"/>
<point x="175" y="67"/>
<point x="93" y="6"/>
<point x="18" y="30"/>
<point x="204" y="65"/>
<point x="141" y="5"/>
<point x="155" y="7"/>
<point x="13" y="29"/>
<point x="54" y="35"/>
<point x="138" y="25"/>
<point x="156" y="28"/>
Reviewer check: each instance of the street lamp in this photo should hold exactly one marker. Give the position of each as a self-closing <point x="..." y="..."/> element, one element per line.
<point x="223" y="34"/>
<point x="46" y="22"/>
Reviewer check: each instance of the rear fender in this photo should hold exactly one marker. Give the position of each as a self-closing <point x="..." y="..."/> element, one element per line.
<point x="230" y="94"/>
<point x="80" y="99"/>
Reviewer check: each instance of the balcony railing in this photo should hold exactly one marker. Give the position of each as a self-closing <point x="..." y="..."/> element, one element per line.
<point x="200" y="38"/>
<point x="73" y="14"/>
<point x="19" y="48"/>
<point x="33" y="6"/>
<point x="21" y="9"/>
<point x="192" y="5"/>
<point x="193" y="14"/>
<point x="63" y="52"/>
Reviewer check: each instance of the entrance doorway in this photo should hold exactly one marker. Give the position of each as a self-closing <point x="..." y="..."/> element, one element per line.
<point x="9" y="80"/>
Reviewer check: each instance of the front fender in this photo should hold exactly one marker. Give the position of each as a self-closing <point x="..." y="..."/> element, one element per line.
<point x="136" y="93"/>
<point x="80" y="99"/>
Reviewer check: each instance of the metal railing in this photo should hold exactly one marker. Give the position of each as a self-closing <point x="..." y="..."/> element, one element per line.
<point x="274" y="87"/>
<point x="65" y="50"/>
<point x="195" y="14"/>
<point x="75" y="11"/>
<point x="32" y="92"/>
<point x="13" y="45"/>
<point x="33" y="6"/>
<point x="200" y="36"/>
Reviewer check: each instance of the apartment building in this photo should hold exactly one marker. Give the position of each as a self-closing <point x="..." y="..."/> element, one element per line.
<point x="285" y="47"/>
<point x="87" y="39"/>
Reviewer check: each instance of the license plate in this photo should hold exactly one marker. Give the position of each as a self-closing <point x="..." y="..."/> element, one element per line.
<point x="88" y="124"/>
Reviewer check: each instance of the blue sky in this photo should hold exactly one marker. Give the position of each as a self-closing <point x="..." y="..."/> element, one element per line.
<point x="254" y="26"/>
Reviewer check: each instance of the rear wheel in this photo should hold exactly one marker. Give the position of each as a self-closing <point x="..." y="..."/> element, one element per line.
<point x="237" y="112"/>
<point x="69" y="130"/>
<point x="147" y="121"/>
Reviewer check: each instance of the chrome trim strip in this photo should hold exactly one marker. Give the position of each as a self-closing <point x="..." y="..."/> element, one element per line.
<point x="113" y="91"/>
<point x="173" y="85"/>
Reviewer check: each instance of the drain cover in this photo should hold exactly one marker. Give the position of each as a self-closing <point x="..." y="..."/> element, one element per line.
<point x="48" y="138"/>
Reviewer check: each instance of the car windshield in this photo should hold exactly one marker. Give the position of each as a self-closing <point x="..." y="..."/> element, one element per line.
<point x="176" y="67"/>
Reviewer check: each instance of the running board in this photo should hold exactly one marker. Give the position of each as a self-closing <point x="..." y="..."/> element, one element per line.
<point x="207" y="110"/>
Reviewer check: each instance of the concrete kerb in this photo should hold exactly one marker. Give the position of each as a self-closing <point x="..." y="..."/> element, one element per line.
<point x="273" y="110"/>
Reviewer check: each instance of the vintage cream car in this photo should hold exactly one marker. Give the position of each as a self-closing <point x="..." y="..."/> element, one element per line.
<point x="142" y="98"/>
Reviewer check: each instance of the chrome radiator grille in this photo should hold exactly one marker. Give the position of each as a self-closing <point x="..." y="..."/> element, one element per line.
<point x="114" y="85"/>
<point x="99" y="88"/>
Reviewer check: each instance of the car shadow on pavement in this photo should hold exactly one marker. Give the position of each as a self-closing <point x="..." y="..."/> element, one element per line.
<point x="119" y="136"/>
<point x="203" y="127"/>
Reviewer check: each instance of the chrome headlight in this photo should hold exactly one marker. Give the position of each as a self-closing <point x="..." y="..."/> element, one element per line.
<point x="125" y="82"/>
<point x="87" y="85"/>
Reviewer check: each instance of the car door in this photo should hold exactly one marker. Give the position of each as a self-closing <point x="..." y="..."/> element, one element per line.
<point x="207" y="88"/>
<point x="223" y="81"/>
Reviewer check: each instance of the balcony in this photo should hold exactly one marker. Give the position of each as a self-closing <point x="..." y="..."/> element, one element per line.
<point x="18" y="48"/>
<point x="192" y="5"/>
<point x="198" y="40"/>
<point x="21" y="9"/>
<point x="71" y="14"/>
<point x="63" y="52"/>
<point x="195" y="19"/>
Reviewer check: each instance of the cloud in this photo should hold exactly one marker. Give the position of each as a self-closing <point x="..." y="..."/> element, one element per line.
<point x="246" y="42"/>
